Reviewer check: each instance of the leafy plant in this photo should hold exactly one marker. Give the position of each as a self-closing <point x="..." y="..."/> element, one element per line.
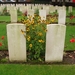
<point x="36" y="35"/>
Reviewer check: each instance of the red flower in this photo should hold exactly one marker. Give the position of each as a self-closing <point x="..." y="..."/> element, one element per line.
<point x="72" y="40"/>
<point x="0" y="44"/>
<point x="71" y="17"/>
<point x="25" y="14"/>
<point x="2" y="37"/>
<point x="73" y="1"/>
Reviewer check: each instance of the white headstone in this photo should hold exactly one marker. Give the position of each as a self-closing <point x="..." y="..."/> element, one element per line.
<point x="12" y="5"/>
<point x="40" y="6"/>
<point x="56" y="7"/>
<point x="61" y="16"/>
<point x="46" y="7"/>
<point x="17" y="6"/>
<point x="55" y="39"/>
<point x="16" y="42"/>
<point x="70" y="9"/>
<point x="30" y="12"/>
<point x="52" y="8"/>
<point x="42" y="14"/>
<point x="8" y="7"/>
<point x="34" y="7"/>
<point x="23" y="8"/>
<point x="1" y="8"/>
<point x="28" y="6"/>
<point x="13" y="14"/>
<point x="64" y="7"/>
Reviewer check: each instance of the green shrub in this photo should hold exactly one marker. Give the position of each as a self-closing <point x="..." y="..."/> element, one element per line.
<point x="35" y="35"/>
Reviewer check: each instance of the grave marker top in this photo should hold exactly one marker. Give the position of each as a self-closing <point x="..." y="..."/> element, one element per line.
<point x="62" y="16"/>
<point x="13" y="14"/>
<point x="42" y="14"/>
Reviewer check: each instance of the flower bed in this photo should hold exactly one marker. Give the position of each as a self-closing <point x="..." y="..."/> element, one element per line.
<point x="36" y="35"/>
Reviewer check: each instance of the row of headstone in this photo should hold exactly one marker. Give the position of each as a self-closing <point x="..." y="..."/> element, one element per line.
<point x="42" y="12"/>
<point x="55" y="39"/>
<point x="23" y="7"/>
<point x="30" y="6"/>
<point x="17" y="45"/>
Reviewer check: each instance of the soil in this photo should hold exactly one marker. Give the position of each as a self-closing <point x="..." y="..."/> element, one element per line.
<point x="68" y="58"/>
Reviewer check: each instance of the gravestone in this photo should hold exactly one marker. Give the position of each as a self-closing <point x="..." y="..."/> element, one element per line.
<point x="61" y="16"/>
<point x="17" y="6"/>
<point x="28" y="6"/>
<point x="56" y="7"/>
<point x="55" y="39"/>
<point x="34" y="7"/>
<point x="40" y="6"/>
<point x="16" y="42"/>
<point x="13" y="14"/>
<point x="23" y="8"/>
<point x="52" y="8"/>
<point x="8" y="7"/>
<point x="1" y="8"/>
<point x="46" y="7"/>
<point x="30" y="12"/>
<point x="12" y="5"/>
<point x="64" y="7"/>
<point x="70" y="9"/>
<point x="42" y="14"/>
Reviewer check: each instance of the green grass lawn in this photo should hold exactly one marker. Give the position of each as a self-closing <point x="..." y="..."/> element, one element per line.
<point x="4" y="18"/>
<point x="3" y="33"/>
<point x="22" y="69"/>
<point x="70" y="30"/>
<point x="7" y="18"/>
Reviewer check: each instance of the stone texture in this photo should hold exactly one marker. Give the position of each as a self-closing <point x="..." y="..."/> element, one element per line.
<point x="62" y="16"/>
<point x="55" y="39"/>
<point x="30" y="12"/>
<point x="13" y="14"/>
<point x="46" y="7"/>
<point x="52" y="8"/>
<point x="42" y="14"/>
<point x="16" y="42"/>
<point x="70" y="9"/>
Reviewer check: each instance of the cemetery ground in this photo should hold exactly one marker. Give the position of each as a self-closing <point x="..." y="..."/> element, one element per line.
<point x="34" y="67"/>
<point x="69" y="52"/>
<point x="23" y="69"/>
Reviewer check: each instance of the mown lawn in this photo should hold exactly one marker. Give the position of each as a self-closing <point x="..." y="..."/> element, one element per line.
<point x="3" y="33"/>
<point x="22" y="69"/>
<point x="7" y="18"/>
<point x="70" y="30"/>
